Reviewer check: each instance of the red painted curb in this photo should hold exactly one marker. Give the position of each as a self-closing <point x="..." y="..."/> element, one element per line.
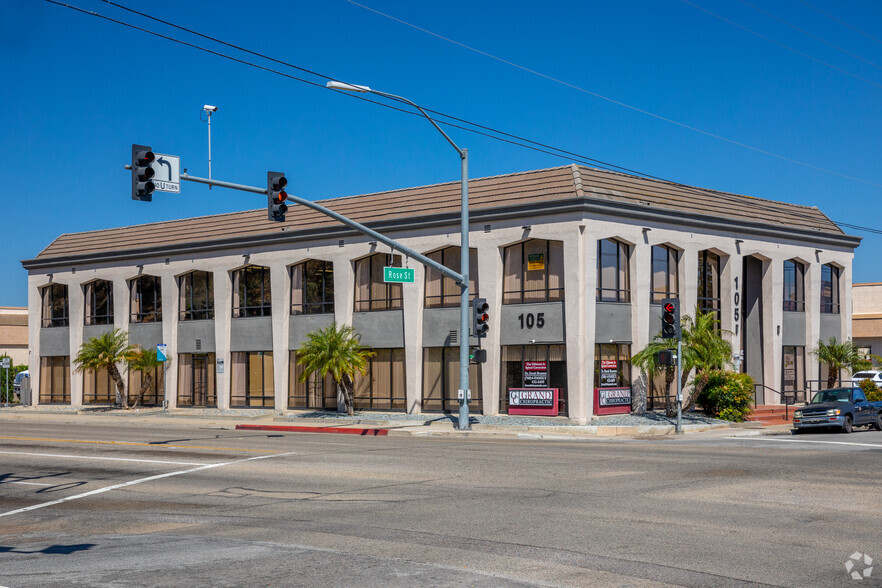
<point x="296" y="429"/>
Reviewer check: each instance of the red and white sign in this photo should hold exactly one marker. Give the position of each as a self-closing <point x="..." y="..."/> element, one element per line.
<point x="536" y="401"/>
<point x="609" y="364"/>
<point x="612" y="400"/>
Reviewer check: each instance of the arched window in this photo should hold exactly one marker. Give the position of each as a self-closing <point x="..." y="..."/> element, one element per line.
<point x="55" y="304"/>
<point x="533" y="271"/>
<point x="709" y="283"/>
<point x="665" y="281"/>
<point x="252" y="295"/>
<point x="442" y="291"/>
<point x="829" y="289"/>
<point x="613" y="277"/>
<point x="146" y="299"/>
<point x="794" y="286"/>
<point x="99" y="302"/>
<point x="371" y="292"/>
<point x="312" y="287"/>
<point x="197" y="296"/>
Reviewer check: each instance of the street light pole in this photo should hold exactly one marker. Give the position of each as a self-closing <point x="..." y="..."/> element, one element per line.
<point x="464" y="250"/>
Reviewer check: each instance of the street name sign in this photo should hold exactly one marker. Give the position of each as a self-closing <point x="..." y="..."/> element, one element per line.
<point x="167" y="170"/>
<point x="4" y="363"/>
<point x="401" y="275"/>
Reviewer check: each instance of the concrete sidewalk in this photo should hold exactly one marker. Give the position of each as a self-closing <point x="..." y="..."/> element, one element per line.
<point x="401" y="425"/>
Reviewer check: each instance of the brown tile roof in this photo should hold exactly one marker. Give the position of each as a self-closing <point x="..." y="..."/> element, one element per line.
<point x="524" y="188"/>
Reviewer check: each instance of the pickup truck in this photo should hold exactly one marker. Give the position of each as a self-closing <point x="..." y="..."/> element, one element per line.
<point x="843" y="408"/>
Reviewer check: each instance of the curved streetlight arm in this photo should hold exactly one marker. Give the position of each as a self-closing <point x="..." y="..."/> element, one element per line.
<point x="366" y="89"/>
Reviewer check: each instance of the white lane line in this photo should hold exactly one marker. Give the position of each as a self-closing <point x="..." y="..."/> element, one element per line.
<point x="140" y="481"/>
<point x="99" y="457"/>
<point x="876" y="445"/>
<point x="28" y="483"/>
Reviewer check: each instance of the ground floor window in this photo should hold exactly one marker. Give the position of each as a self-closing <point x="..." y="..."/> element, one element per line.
<point x="441" y="381"/>
<point x="793" y="376"/>
<point x="252" y="376"/>
<point x="55" y="380"/>
<point x="382" y="387"/>
<point x="662" y="391"/>
<point x="197" y="385"/>
<point x="315" y="392"/>
<point x="534" y="366"/>
<point x="98" y="387"/>
<point x="155" y="393"/>
<point x="612" y="365"/>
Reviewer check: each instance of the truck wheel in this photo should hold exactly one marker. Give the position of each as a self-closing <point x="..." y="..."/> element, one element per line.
<point x="846" y="426"/>
<point x="877" y="424"/>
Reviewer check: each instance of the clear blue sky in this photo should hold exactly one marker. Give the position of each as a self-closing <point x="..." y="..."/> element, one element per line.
<point x="77" y="91"/>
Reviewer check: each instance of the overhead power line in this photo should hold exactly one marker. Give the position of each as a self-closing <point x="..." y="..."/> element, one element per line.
<point x="843" y="23"/>
<point x="482" y="130"/>
<point x="620" y="103"/>
<point x="808" y="34"/>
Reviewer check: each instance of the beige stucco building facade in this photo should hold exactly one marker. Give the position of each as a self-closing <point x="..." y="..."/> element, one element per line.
<point x="592" y="252"/>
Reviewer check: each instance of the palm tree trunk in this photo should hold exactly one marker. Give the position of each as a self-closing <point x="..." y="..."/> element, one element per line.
<point x="120" y="387"/>
<point x="831" y="376"/>
<point x="144" y="386"/>
<point x="347" y="394"/>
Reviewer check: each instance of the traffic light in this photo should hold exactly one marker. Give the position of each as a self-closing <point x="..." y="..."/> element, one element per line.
<point x="478" y="356"/>
<point x="670" y="318"/>
<point x="276" y="196"/>
<point x="480" y="317"/>
<point x="142" y="173"/>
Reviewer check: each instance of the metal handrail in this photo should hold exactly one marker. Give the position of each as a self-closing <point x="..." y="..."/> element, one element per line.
<point x="789" y="398"/>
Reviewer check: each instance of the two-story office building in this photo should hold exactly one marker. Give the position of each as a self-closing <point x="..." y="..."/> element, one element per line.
<point x="573" y="261"/>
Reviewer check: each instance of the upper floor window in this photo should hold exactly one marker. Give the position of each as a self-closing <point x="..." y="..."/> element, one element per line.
<point x="709" y="282"/>
<point x="54" y="311"/>
<point x="794" y="285"/>
<point x="613" y="280"/>
<point x="442" y="291"/>
<point x="196" y="291"/>
<point x="146" y="299"/>
<point x="665" y="281"/>
<point x="829" y="289"/>
<point x="533" y="272"/>
<point x="99" y="302"/>
<point x="252" y="295"/>
<point x="312" y="287"/>
<point x="371" y="292"/>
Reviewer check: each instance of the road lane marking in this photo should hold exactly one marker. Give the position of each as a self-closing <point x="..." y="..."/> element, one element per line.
<point x="876" y="445"/>
<point x="100" y="457"/>
<point x="136" y="443"/>
<point x="140" y="481"/>
<point x="28" y="483"/>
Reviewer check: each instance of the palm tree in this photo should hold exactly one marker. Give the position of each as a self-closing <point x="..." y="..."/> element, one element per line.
<point x="837" y="356"/>
<point x="144" y="361"/>
<point x="704" y="350"/>
<point x="647" y="361"/>
<point x="105" y="352"/>
<point x="338" y="350"/>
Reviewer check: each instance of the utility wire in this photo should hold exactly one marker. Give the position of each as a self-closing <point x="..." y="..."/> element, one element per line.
<point x="830" y="16"/>
<point x="782" y="45"/>
<point x="808" y="34"/>
<point x="620" y="103"/>
<point x="513" y="139"/>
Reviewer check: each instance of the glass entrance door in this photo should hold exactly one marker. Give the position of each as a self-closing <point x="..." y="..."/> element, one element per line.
<point x="200" y="380"/>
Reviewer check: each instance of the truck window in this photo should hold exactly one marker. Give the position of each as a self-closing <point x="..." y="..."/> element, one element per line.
<point x="859" y="396"/>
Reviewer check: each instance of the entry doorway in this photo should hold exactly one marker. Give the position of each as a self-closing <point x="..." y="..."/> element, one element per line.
<point x="196" y="380"/>
<point x="752" y="330"/>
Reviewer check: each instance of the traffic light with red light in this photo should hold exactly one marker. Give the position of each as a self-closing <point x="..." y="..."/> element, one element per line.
<point x="276" y="196"/>
<point x="670" y="318"/>
<point x="142" y="173"/>
<point x="480" y="318"/>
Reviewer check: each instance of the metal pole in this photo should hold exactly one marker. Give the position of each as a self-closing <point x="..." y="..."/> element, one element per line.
<point x="679" y="428"/>
<point x="209" y="148"/>
<point x="464" y="301"/>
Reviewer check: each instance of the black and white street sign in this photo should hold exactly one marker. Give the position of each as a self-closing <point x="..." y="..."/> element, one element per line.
<point x="168" y="173"/>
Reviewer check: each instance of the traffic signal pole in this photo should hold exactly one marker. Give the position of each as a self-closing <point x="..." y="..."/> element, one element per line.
<point x="679" y="428"/>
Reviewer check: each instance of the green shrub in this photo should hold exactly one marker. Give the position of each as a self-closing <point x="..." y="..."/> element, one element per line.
<point x="871" y="391"/>
<point x="869" y="387"/>
<point x="728" y="395"/>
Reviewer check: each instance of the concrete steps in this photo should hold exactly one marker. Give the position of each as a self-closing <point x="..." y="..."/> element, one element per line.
<point x="772" y="414"/>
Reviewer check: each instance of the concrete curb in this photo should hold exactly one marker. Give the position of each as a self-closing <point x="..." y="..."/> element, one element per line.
<point x="296" y="429"/>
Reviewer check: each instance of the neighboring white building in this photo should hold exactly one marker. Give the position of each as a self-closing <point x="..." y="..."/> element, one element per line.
<point x="573" y="261"/>
<point x="866" y="318"/>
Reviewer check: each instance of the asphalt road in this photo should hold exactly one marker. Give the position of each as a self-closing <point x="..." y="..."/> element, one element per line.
<point x="148" y="504"/>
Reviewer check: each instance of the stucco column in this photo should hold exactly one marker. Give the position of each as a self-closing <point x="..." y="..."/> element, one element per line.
<point x="413" y="337"/>
<point x="577" y="340"/>
<point x="773" y="307"/>
<point x="223" y="304"/>
<point x="735" y="296"/>
<point x="76" y="318"/>
<point x="490" y="287"/>
<point x="170" y="312"/>
<point x="813" y="321"/>
<point x="35" y="309"/>
<point x="589" y="271"/>
<point x="344" y="296"/>
<point x="281" y="311"/>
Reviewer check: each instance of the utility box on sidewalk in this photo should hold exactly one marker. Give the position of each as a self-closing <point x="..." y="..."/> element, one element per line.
<point x="24" y="394"/>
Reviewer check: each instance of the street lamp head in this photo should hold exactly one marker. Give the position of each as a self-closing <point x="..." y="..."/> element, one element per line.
<point x="348" y="87"/>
